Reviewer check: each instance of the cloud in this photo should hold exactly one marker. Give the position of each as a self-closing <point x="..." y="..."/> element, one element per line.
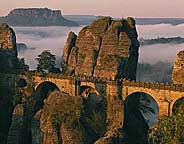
<point x="54" y="38"/>
<point x="42" y="38"/>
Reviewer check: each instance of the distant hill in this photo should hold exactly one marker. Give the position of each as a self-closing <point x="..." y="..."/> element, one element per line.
<point x="81" y="19"/>
<point x="172" y="40"/>
<point x="153" y="21"/>
<point x="36" y="17"/>
<point x="87" y="19"/>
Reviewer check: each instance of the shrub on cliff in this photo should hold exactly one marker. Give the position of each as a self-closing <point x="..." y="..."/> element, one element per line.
<point x="169" y="129"/>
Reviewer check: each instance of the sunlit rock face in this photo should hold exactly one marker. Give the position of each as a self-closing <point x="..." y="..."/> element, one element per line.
<point x="55" y="118"/>
<point x="7" y="39"/>
<point x="8" y="49"/>
<point x="178" y="72"/>
<point x="106" y="48"/>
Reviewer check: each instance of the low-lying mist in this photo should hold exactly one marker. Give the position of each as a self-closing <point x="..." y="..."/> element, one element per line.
<point x="159" y="72"/>
<point x="42" y="38"/>
<point x="159" y="52"/>
<point x="160" y="30"/>
<point x="53" y="39"/>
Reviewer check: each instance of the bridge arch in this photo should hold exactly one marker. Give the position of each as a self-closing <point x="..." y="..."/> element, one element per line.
<point x="177" y="104"/>
<point x="145" y="103"/>
<point x="42" y="92"/>
<point x="141" y="112"/>
<point x="85" y="91"/>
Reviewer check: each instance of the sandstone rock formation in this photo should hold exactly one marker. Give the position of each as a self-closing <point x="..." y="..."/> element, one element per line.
<point x="106" y="49"/>
<point x="8" y="49"/>
<point x="7" y="87"/>
<point x="7" y="39"/>
<point x="178" y="72"/>
<point x="56" y="120"/>
<point x="115" y="136"/>
<point x="9" y="61"/>
<point x="70" y="120"/>
<point x="36" y="17"/>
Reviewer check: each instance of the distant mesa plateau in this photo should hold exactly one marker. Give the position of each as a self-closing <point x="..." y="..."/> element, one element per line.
<point x="36" y="17"/>
<point x="87" y="19"/>
<point x="154" y="21"/>
<point x="162" y="40"/>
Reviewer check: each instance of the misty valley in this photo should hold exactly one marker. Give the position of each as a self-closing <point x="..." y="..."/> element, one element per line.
<point x="97" y="81"/>
<point x="155" y="60"/>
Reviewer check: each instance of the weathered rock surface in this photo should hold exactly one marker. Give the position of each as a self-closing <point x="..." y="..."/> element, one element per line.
<point x="106" y="48"/>
<point x="178" y="72"/>
<point x="7" y="87"/>
<point x="57" y="128"/>
<point x="68" y="49"/>
<point x="7" y="38"/>
<point x="70" y="120"/>
<point x="8" y="51"/>
<point x="36" y="17"/>
<point x="115" y="136"/>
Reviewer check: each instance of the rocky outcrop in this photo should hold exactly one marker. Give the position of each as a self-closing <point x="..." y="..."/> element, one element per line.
<point x="7" y="100"/>
<point x="178" y="72"/>
<point x="7" y="39"/>
<point x="36" y="17"/>
<point x="57" y="119"/>
<point x="68" y="50"/>
<point x="106" y="49"/>
<point x="9" y="61"/>
<point x="115" y="136"/>
<point x="8" y="49"/>
<point x="70" y="120"/>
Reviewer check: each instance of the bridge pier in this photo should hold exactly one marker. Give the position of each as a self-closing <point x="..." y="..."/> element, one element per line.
<point x="115" y="107"/>
<point x="77" y="87"/>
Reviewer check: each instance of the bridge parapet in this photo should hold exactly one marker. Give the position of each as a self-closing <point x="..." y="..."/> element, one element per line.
<point x="79" y="77"/>
<point x="159" y="86"/>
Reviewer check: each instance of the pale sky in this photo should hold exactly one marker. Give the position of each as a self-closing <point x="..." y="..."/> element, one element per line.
<point x="114" y="8"/>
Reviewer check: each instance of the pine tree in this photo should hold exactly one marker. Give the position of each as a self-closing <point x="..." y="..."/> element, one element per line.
<point x="46" y="61"/>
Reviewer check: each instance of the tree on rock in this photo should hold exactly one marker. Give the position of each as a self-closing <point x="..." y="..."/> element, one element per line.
<point x="46" y="61"/>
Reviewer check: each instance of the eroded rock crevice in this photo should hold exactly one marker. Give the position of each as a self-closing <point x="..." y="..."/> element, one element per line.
<point x="105" y="49"/>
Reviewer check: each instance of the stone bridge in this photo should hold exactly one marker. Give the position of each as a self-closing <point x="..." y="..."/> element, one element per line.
<point x="114" y="92"/>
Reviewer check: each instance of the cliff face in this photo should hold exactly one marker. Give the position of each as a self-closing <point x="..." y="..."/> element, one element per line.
<point x="7" y="91"/>
<point x="47" y="13"/>
<point x="7" y="39"/>
<point x="60" y="120"/>
<point x="8" y="49"/>
<point x="36" y="17"/>
<point x="178" y="72"/>
<point x="106" y="49"/>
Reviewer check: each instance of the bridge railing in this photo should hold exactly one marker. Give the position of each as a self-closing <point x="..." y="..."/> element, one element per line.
<point x="78" y="77"/>
<point x="159" y="86"/>
<point x="84" y="78"/>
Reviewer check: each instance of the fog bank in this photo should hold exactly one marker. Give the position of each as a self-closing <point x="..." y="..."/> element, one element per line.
<point x="42" y="38"/>
<point x="53" y="39"/>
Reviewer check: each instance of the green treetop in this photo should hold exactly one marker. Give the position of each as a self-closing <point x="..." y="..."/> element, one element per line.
<point x="46" y="61"/>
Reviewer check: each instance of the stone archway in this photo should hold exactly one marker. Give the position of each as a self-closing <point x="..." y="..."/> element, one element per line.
<point x="141" y="113"/>
<point x="85" y="91"/>
<point x="42" y="92"/>
<point x="177" y="104"/>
